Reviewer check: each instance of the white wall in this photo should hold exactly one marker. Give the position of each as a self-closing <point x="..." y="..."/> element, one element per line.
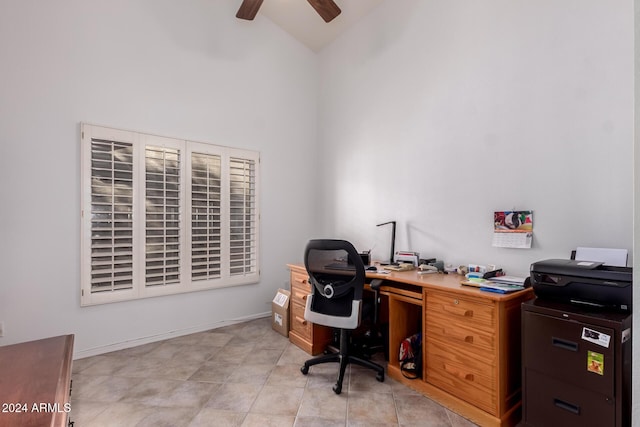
<point x="185" y="69"/>
<point x="636" y="211"/>
<point x="437" y="113"/>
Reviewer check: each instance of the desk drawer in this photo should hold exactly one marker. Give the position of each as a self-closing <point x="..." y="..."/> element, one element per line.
<point x="463" y="381"/>
<point x="300" y="287"/>
<point x="453" y="310"/>
<point x="298" y="323"/>
<point x="460" y="333"/>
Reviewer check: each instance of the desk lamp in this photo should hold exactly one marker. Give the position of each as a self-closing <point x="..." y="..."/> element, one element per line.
<point x="393" y="239"/>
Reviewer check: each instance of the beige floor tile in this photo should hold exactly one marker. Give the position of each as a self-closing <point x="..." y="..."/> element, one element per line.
<point x="244" y="374"/>
<point x="371" y="408"/>
<point x="293" y="355"/>
<point x="287" y="376"/>
<point x="168" y="393"/>
<point x="324" y="403"/>
<point x="458" y="421"/>
<point x="234" y="353"/>
<point x="317" y="422"/>
<point x="248" y="373"/>
<point x="364" y="380"/>
<point x="413" y="410"/>
<point x="214" y="372"/>
<point x="277" y="400"/>
<point x="208" y="417"/>
<point x="123" y="414"/>
<point x="83" y="412"/>
<point x="261" y="420"/>
<point x="234" y="397"/>
<point x="107" y="389"/>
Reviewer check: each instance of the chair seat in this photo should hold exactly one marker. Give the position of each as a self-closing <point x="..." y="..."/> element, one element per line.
<point x="351" y="322"/>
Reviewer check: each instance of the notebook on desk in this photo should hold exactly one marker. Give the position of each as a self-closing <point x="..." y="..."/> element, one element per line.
<point x="403" y="266"/>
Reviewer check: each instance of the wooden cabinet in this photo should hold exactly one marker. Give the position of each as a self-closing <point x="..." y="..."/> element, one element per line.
<point x="35" y="382"/>
<point x="461" y="355"/>
<point x="471" y="347"/>
<point x="310" y="337"/>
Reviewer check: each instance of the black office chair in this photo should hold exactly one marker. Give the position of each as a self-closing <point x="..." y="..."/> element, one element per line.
<point x="337" y="276"/>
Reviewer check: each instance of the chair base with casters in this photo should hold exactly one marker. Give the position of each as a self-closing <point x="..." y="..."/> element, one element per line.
<point x="344" y="359"/>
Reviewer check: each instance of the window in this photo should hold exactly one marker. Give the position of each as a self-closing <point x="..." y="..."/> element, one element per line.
<point x="163" y="216"/>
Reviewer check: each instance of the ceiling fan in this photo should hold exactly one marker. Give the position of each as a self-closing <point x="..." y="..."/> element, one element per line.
<point x="327" y="9"/>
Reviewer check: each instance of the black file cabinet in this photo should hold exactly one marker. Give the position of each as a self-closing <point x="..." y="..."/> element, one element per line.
<point x="576" y="366"/>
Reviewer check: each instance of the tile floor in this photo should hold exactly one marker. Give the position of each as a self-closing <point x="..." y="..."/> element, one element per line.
<point x="240" y="375"/>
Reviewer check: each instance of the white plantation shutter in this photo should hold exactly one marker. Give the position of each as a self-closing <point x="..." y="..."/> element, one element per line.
<point x="242" y="216"/>
<point x="206" y="232"/>
<point x="163" y="216"/>
<point x="111" y="215"/>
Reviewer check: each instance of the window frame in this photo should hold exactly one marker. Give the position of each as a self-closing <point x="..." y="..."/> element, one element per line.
<point x="186" y="283"/>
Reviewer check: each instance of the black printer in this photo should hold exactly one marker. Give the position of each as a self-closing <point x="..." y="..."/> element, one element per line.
<point x="591" y="284"/>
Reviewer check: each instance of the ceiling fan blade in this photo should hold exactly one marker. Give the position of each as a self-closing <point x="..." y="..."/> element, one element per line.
<point x="325" y="8"/>
<point x="249" y="9"/>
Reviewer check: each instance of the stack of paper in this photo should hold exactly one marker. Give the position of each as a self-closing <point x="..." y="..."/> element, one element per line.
<point x="511" y="284"/>
<point x="500" y="288"/>
<point x="509" y="280"/>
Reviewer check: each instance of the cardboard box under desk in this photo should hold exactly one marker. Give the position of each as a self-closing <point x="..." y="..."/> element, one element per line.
<point x="280" y="312"/>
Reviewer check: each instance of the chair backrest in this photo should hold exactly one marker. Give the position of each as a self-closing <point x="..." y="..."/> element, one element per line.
<point x="337" y="277"/>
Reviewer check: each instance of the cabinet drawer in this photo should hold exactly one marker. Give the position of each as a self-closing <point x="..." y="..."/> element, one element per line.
<point x="481" y="362"/>
<point x="551" y="402"/>
<point x="460" y="312"/>
<point x="463" y="381"/>
<point x="300" y="287"/>
<point x="556" y="347"/>
<point x="460" y="333"/>
<point x="298" y="323"/>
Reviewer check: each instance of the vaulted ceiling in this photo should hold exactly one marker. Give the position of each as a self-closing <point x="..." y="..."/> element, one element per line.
<point x="299" y="19"/>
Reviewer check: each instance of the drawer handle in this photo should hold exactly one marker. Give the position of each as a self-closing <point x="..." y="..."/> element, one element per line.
<point x="301" y="295"/>
<point x="301" y="320"/>
<point x="455" y="335"/>
<point x="564" y="344"/>
<point x="459" y="311"/>
<point x="458" y="373"/>
<point x="574" y="409"/>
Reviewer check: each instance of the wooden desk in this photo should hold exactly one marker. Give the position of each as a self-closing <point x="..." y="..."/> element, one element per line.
<point x="471" y="341"/>
<point x="35" y="381"/>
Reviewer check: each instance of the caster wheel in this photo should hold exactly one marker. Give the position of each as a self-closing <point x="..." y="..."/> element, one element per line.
<point x="304" y="369"/>
<point x="380" y="377"/>
<point x="337" y="389"/>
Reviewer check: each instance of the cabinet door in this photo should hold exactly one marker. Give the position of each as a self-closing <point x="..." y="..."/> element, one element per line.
<point x="565" y="349"/>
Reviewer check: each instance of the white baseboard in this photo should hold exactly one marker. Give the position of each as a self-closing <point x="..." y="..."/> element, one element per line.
<point x="160" y="337"/>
